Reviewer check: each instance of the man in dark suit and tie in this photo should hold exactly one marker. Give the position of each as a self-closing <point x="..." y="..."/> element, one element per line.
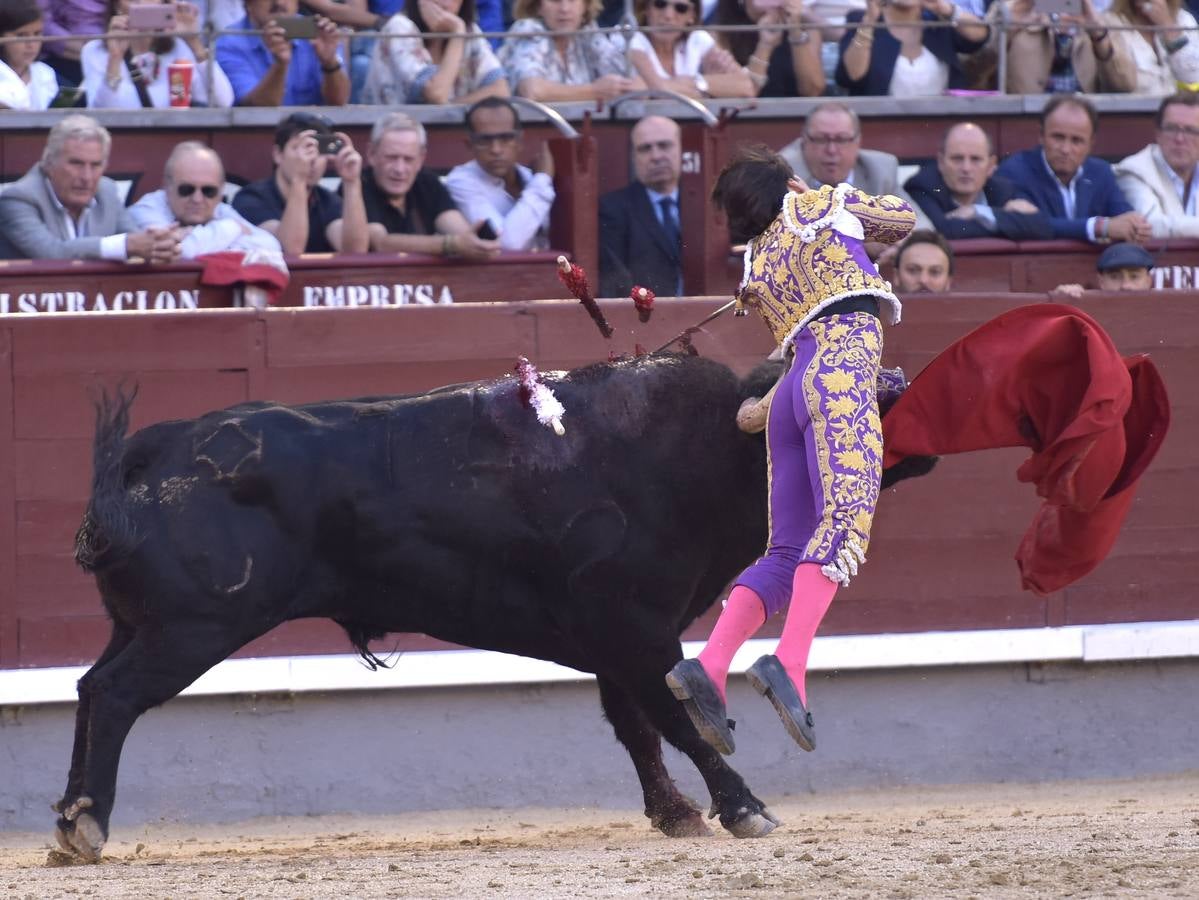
<point x="640" y="238"/>
<point x="1077" y="190"/>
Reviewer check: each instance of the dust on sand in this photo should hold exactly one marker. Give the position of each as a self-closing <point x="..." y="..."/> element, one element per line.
<point x="1077" y="839"/>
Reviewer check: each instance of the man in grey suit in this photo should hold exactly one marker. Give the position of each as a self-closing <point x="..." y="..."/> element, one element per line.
<point x="829" y="151"/>
<point x="64" y="207"/>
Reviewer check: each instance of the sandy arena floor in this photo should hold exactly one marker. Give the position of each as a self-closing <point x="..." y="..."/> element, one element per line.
<point x="1104" y="839"/>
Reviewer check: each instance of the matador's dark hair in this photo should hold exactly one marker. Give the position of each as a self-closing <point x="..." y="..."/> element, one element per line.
<point x="750" y="191"/>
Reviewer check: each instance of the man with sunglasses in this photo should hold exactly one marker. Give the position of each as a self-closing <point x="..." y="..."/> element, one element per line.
<point x="1161" y="181"/>
<point x="494" y="188"/>
<point x="191" y="200"/>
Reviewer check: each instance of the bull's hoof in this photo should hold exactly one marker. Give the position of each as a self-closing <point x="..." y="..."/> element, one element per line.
<point x="83" y="839"/>
<point x="752" y="825"/>
<point x="688" y="825"/>
<point x="72" y="812"/>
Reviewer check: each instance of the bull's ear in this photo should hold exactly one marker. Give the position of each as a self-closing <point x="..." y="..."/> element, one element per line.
<point x="908" y="467"/>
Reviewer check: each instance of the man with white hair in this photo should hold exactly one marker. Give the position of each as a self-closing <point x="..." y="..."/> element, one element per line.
<point x="64" y="207"/>
<point x="191" y="198"/>
<point x="407" y="206"/>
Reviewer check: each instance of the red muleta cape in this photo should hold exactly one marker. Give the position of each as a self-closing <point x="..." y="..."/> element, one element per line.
<point x="1049" y="378"/>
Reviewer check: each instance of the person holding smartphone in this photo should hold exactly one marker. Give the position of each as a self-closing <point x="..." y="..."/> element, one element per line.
<point x="782" y="59"/>
<point x="128" y="69"/>
<point x="25" y="83"/>
<point x="273" y="68"/>
<point x="892" y="53"/>
<point x="293" y="205"/>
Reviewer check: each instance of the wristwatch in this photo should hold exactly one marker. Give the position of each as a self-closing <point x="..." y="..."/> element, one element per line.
<point x="701" y="85"/>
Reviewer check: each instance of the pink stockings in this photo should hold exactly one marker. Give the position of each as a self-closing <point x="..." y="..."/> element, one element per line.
<point x="744" y="614"/>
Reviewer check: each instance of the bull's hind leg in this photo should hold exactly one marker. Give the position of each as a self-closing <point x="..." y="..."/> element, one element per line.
<point x="120" y="638"/>
<point x="154" y="666"/>
<point x="667" y="809"/>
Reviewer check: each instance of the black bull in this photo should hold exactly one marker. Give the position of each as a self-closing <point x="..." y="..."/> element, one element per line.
<point x="452" y="513"/>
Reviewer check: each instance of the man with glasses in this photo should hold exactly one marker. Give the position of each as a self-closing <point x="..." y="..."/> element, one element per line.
<point x="494" y="188"/>
<point x="1162" y="180"/>
<point x="293" y="205"/>
<point x="409" y="209"/>
<point x="829" y="151"/>
<point x="64" y="207"/>
<point x="192" y="200"/>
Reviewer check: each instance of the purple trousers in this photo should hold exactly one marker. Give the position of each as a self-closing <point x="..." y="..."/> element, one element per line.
<point x="824" y="449"/>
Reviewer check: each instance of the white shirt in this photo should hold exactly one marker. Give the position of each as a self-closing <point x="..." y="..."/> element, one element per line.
<point x="112" y="246"/>
<point x="227" y="230"/>
<point x="521" y="222"/>
<point x="688" y="53"/>
<point x="1067" y="194"/>
<point x="1190" y="205"/>
<point x="37" y="94"/>
<point x="94" y="58"/>
<point x="924" y="76"/>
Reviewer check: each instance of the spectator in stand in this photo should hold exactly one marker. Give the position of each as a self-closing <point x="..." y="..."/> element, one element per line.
<point x="448" y="64"/>
<point x="494" y="187"/>
<point x="130" y="73"/>
<point x="408" y="207"/>
<point x="588" y="66"/>
<point x="25" y="83"/>
<point x="780" y="61"/>
<point x="373" y="15"/>
<point x="71" y="17"/>
<point x="1063" y="55"/>
<point x="1162" y="180"/>
<point x="270" y="70"/>
<point x="924" y="264"/>
<point x="640" y="237"/>
<point x="684" y="59"/>
<point x="1121" y="267"/>
<point x="963" y="196"/>
<point x="64" y="207"/>
<point x="190" y="199"/>
<point x="1161" y="61"/>
<point x="1060" y="177"/>
<point x="893" y="53"/>
<point x="293" y="206"/>
<point x="829" y="151"/>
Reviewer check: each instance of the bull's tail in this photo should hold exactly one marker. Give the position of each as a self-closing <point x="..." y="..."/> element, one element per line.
<point x="107" y="533"/>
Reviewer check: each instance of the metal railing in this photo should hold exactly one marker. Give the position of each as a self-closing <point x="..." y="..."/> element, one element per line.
<point x="627" y="27"/>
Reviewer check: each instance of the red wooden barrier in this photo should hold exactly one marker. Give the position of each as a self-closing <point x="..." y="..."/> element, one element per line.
<point x="942" y="549"/>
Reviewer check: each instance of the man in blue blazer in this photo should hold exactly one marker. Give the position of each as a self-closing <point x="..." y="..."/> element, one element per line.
<point x="964" y="197"/>
<point x="1077" y="190"/>
<point x="640" y="234"/>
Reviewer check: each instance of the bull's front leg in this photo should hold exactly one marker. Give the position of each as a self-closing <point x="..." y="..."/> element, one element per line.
<point x="740" y="812"/>
<point x="665" y="806"/>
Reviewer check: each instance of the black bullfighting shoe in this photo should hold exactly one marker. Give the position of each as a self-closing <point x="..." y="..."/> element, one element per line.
<point x="690" y="683"/>
<point x="770" y="679"/>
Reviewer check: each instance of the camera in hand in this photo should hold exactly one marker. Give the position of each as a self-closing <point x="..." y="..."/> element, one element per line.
<point x="329" y="144"/>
